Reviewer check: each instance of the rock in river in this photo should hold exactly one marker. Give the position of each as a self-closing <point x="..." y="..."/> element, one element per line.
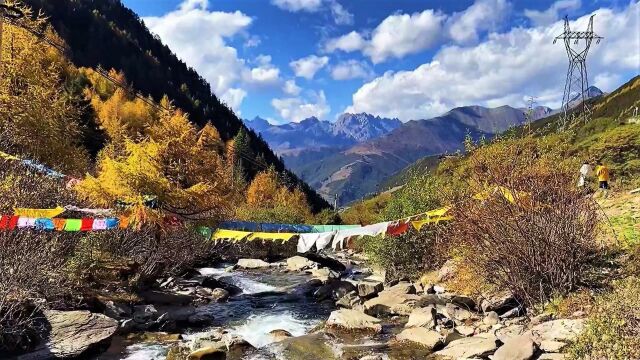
<point x="73" y="333"/>
<point x="353" y="320"/>
<point x="253" y="264"/>
<point x="425" y="337"/>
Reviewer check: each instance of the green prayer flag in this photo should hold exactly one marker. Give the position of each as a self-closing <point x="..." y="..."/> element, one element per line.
<point x="72" y="225"/>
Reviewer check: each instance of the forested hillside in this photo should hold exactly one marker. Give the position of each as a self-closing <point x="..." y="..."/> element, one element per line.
<point x="104" y="33"/>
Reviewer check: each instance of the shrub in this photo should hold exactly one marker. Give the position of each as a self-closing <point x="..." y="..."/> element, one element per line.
<point x="534" y="237"/>
<point x="613" y="329"/>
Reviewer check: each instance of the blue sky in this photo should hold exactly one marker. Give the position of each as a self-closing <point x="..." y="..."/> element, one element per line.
<point x="286" y="60"/>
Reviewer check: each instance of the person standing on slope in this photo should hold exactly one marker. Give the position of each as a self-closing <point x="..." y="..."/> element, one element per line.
<point x="603" y="177"/>
<point x="585" y="172"/>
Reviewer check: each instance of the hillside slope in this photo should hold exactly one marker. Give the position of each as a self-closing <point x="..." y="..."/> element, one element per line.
<point x="105" y="33"/>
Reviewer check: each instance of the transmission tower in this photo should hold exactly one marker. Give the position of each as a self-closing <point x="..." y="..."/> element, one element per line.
<point x="577" y="81"/>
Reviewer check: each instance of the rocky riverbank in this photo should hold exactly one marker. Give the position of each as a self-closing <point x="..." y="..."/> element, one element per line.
<point x="305" y="308"/>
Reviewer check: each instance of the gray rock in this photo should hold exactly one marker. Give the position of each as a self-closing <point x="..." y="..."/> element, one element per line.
<point x="516" y="348"/>
<point x="349" y="300"/>
<point x="325" y="274"/>
<point x="299" y="263"/>
<point x="116" y="310"/>
<point x="465" y="330"/>
<point x="334" y="290"/>
<point x="551" y="346"/>
<point x="279" y="335"/>
<point x="423" y="336"/>
<point x="252" y="264"/>
<point x="563" y="330"/>
<point x="165" y="298"/>
<point x="353" y="320"/>
<point x="73" y="333"/>
<point x="500" y="302"/>
<point x="491" y="318"/>
<point x="368" y="289"/>
<point x="144" y="313"/>
<point x="454" y="312"/>
<point x="219" y="295"/>
<point x="423" y="317"/>
<point x="511" y="331"/>
<point x="475" y="346"/>
<point x="390" y="303"/>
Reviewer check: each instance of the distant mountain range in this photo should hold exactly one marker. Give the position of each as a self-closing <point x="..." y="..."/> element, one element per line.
<point x="355" y="155"/>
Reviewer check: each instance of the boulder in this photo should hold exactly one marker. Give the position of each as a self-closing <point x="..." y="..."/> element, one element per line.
<point x="470" y="347"/>
<point x="279" y="335"/>
<point x="516" y="348"/>
<point x="73" y="333"/>
<point x="324" y="274"/>
<point x="563" y="330"/>
<point x="389" y="303"/>
<point x="552" y="357"/>
<point x="500" y="302"/>
<point x="144" y="313"/>
<point x="423" y="317"/>
<point x="511" y="331"/>
<point x="327" y="262"/>
<point x="349" y="300"/>
<point x="211" y="282"/>
<point x="208" y="353"/>
<point x="368" y="289"/>
<point x="334" y="290"/>
<point x="299" y="263"/>
<point x="353" y="320"/>
<point x="465" y="330"/>
<point x="116" y="311"/>
<point x="423" y="336"/>
<point x="252" y="264"/>
<point x="491" y="318"/>
<point x="551" y="346"/>
<point x="219" y="295"/>
<point x="454" y="312"/>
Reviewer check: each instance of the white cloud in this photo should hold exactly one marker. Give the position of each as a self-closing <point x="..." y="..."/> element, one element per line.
<point x="252" y="41"/>
<point x="341" y="16"/>
<point x="351" y="69"/>
<point x="297" y="109"/>
<point x="552" y="14"/>
<point x="298" y="5"/>
<point x="291" y="88"/>
<point x="403" y="34"/>
<point x="396" y="36"/>
<point x="504" y="69"/>
<point x="352" y="41"/>
<point x="307" y="67"/>
<point x="198" y="37"/>
<point x="263" y="74"/>
<point x="483" y="15"/>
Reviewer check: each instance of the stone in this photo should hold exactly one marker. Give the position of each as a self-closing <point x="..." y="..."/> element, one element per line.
<point x="470" y="347"/>
<point x="563" y="330"/>
<point x="465" y="330"/>
<point x="509" y="332"/>
<point x="353" y="320"/>
<point x="299" y="263"/>
<point x="422" y="317"/>
<point x="402" y="288"/>
<point x="219" y="295"/>
<point x="252" y="264"/>
<point x="500" y="302"/>
<point x="279" y="335"/>
<point x="551" y="346"/>
<point x="539" y="319"/>
<point x="387" y="303"/>
<point x="73" y="333"/>
<point x="438" y="289"/>
<point x="491" y="318"/>
<point x="116" y="310"/>
<point x="515" y="312"/>
<point x="454" y="312"/>
<point x="552" y="357"/>
<point x="349" y="300"/>
<point x="368" y="289"/>
<point x="208" y="353"/>
<point x="326" y="262"/>
<point x="334" y="290"/>
<point x="165" y="298"/>
<point x="516" y="348"/>
<point x="144" y="313"/>
<point x="324" y="274"/>
<point x="423" y="336"/>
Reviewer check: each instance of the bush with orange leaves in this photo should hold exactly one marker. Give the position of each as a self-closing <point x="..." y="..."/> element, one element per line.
<point x="529" y="230"/>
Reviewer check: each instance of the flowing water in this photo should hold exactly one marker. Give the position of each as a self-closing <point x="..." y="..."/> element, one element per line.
<point x="265" y="304"/>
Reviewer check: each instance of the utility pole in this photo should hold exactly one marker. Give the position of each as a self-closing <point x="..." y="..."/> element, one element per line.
<point x="577" y="81"/>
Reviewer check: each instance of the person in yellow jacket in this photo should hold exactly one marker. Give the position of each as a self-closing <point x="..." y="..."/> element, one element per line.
<point x="602" y="171"/>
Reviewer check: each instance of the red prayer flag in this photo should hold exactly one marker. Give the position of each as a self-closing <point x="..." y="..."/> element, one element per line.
<point x="397" y="228"/>
<point x="4" y="222"/>
<point x="13" y="222"/>
<point x="87" y="224"/>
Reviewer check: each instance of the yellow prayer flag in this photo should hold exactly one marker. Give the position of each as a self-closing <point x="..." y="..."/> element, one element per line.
<point x="221" y="234"/>
<point x="272" y="236"/>
<point x="38" y="213"/>
<point x="6" y="156"/>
